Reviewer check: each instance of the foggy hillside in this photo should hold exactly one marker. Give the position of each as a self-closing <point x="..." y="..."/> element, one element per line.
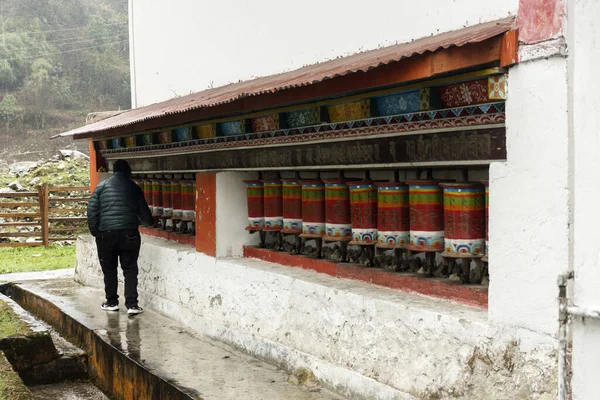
<point x="59" y="60"/>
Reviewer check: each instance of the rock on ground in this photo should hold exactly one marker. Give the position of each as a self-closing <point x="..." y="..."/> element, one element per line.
<point x="21" y="168"/>
<point x="16" y="186"/>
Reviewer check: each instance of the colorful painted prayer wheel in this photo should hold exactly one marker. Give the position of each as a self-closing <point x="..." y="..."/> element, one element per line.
<point x="148" y="194"/>
<point x="464" y="218"/>
<point x="487" y="214"/>
<point x="176" y="200"/>
<point x="313" y="208"/>
<point x="273" y="205"/>
<point x="188" y="200"/>
<point x="157" y="197"/>
<point x="256" y="205"/>
<point x="338" y="223"/>
<point x="166" y="199"/>
<point x="363" y="211"/>
<point x="292" y="206"/>
<point x="393" y="221"/>
<point x="426" y="210"/>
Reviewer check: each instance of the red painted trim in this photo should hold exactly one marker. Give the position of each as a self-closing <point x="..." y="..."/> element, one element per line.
<point x="510" y="47"/>
<point x="407" y="282"/>
<point x="172" y="236"/>
<point x="94" y="174"/>
<point x="206" y="213"/>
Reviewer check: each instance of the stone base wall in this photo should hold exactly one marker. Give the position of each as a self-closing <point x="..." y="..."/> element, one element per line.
<point x="361" y="340"/>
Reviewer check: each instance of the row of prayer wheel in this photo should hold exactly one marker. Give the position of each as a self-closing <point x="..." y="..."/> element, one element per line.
<point x="171" y="199"/>
<point x="420" y="215"/>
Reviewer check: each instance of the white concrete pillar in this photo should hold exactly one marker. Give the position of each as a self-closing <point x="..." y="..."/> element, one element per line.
<point x="232" y="214"/>
<point x="529" y="199"/>
<point x="584" y="92"/>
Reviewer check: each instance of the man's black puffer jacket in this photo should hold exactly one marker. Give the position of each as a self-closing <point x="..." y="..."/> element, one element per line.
<point x="117" y="203"/>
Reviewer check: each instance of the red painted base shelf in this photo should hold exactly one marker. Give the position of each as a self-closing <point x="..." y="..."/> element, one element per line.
<point x="172" y="236"/>
<point x="435" y="287"/>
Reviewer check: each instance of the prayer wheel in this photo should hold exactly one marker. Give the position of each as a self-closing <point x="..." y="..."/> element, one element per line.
<point x="338" y="223"/>
<point x="188" y="200"/>
<point x="464" y="218"/>
<point x="157" y="209"/>
<point x="313" y="208"/>
<point x="176" y="200"/>
<point x="147" y="189"/>
<point x="292" y="206"/>
<point x="166" y="199"/>
<point x="256" y="208"/>
<point x="273" y="203"/>
<point x="393" y="221"/>
<point x="426" y="211"/>
<point x="487" y="214"/>
<point x="363" y="211"/>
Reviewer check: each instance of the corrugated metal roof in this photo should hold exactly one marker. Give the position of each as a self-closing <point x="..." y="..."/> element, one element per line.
<point x="305" y="76"/>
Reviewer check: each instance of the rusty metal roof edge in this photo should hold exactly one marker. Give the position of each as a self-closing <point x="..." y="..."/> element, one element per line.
<point x="502" y="25"/>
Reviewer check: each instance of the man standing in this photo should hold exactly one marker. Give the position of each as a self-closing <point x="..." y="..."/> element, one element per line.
<point x="114" y="213"/>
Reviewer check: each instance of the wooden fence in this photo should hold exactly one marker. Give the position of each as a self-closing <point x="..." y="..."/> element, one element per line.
<point x="51" y="214"/>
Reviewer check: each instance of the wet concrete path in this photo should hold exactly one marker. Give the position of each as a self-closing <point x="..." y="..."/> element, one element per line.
<point x="207" y="367"/>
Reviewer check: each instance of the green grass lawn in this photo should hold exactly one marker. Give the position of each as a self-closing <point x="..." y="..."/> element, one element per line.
<point x="27" y="259"/>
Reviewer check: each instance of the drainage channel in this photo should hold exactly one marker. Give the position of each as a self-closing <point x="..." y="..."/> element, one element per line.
<point x="55" y="368"/>
<point x="39" y="359"/>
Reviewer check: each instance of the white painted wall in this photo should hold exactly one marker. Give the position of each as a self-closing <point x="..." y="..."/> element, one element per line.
<point x="584" y="57"/>
<point x="183" y="46"/>
<point x="367" y="342"/>
<point x="529" y="199"/>
<point x="232" y="215"/>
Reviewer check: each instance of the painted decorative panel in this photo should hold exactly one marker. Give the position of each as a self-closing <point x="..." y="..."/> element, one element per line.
<point x="130" y="142"/>
<point x="183" y="134"/>
<point x="350" y="111"/>
<point x="163" y="137"/>
<point x="117" y="143"/>
<point x="304" y="117"/>
<point x="206" y="131"/>
<point x="145" y="139"/>
<point x="465" y="94"/>
<point x="232" y="128"/>
<point x="401" y="103"/>
<point x="100" y="145"/>
<point x="497" y="87"/>
<point x="265" y="123"/>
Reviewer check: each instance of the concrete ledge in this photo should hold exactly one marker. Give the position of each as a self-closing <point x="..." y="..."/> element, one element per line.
<point x="470" y="295"/>
<point x="365" y="341"/>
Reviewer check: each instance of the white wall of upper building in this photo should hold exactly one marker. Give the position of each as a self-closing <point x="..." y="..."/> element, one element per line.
<point x="183" y="46"/>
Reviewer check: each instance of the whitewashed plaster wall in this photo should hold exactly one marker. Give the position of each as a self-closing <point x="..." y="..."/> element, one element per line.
<point x="365" y="341"/>
<point x="529" y="199"/>
<point x="584" y="57"/>
<point x="183" y="46"/>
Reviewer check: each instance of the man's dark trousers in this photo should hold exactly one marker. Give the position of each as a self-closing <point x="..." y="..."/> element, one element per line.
<point x="123" y="245"/>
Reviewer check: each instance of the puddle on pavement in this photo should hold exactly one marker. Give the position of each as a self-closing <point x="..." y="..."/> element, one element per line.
<point x="67" y="391"/>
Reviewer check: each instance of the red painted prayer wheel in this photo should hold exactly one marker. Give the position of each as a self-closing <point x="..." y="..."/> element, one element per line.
<point x="292" y="206"/>
<point x="176" y="200"/>
<point x="313" y="208"/>
<point x="426" y="210"/>
<point x="188" y="200"/>
<point x="464" y="218"/>
<point x="363" y="211"/>
<point x="487" y="214"/>
<point x="157" y="197"/>
<point x="273" y="205"/>
<point x="147" y="189"/>
<point x="256" y="205"/>
<point x="393" y="221"/>
<point x="166" y="198"/>
<point x="338" y="223"/>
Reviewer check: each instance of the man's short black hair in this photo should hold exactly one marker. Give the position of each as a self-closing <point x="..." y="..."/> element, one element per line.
<point x="122" y="166"/>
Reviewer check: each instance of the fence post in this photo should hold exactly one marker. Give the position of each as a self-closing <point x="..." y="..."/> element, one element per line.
<point x="45" y="217"/>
